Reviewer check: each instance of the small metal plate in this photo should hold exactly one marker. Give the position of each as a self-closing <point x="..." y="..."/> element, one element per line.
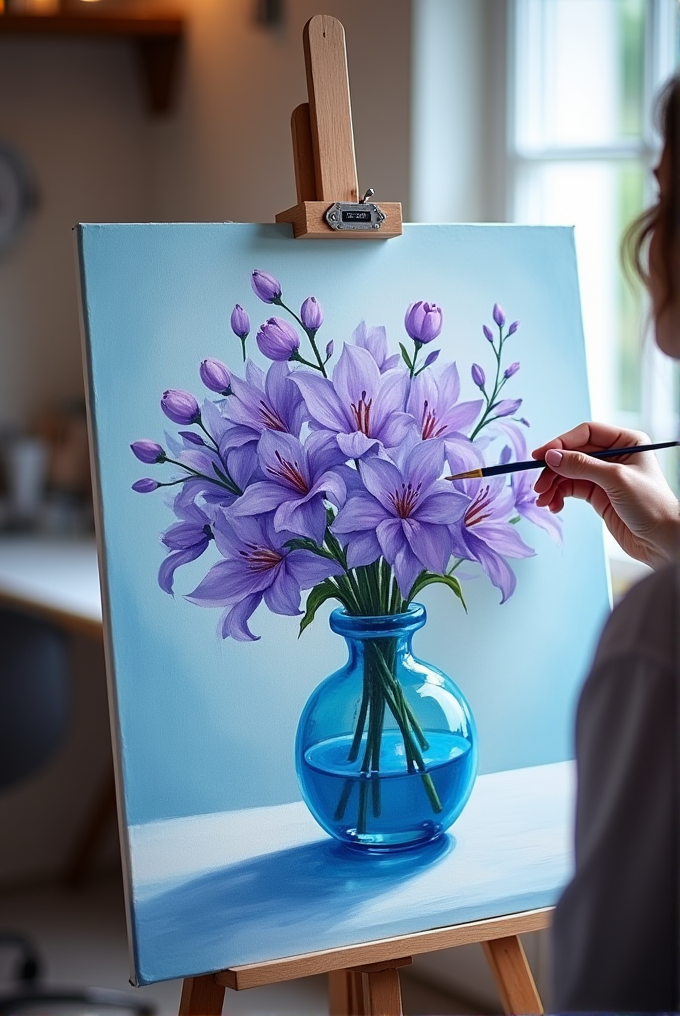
<point x="362" y="215"/>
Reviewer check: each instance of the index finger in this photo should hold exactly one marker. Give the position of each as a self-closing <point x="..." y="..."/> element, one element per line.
<point x="588" y="437"/>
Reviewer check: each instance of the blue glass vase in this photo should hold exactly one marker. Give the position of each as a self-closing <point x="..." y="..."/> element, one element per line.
<point x="386" y="747"/>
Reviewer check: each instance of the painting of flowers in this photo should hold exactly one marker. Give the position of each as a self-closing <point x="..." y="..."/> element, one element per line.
<point x="307" y="444"/>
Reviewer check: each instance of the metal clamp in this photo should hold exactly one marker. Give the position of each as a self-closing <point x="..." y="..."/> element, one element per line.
<point x="363" y="214"/>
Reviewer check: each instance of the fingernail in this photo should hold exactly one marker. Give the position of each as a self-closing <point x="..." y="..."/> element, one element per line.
<point x="553" y="457"/>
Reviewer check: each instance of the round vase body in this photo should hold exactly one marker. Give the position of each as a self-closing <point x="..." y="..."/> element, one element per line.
<point x="386" y="747"/>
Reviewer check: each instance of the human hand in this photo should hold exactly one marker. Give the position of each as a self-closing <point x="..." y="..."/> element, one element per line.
<point x="632" y="496"/>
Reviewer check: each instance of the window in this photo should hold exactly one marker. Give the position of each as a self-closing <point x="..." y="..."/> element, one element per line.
<point x="583" y="77"/>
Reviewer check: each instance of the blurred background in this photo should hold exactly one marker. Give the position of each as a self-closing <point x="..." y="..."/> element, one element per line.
<point x="532" y="111"/>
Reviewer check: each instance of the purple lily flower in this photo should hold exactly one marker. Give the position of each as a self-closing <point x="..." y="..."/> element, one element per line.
<point x="240" y="322"/>
<point x="498" y="315"/>
<point x="523" y="487"/>
<point x="277" y="340"/>
<point x="186" y="540"/>
<point x="404" y="514"/>
<point x="361" y="406"/>
<point x="257" y="566"/>
<point x="298" y="479"/>
<point x="486" y="534"/>
<point x="433" y="403"/>
<point x="180" y="406"/>
<point x="215" y="376"/>
<point x="148" y="451"/>
<point x="311" y="314"/>
<point x="265" y="286"/>
<point x="263" y="402"/>
<point x="423" y="321"/>
<point x="374" y="339"/>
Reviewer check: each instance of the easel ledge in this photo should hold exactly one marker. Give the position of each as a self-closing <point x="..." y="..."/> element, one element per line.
<point x="363" y="979"/>
<point x="355" y="987"/>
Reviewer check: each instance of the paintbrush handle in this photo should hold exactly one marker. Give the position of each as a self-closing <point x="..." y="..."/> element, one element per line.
<point x="607" y="453"/>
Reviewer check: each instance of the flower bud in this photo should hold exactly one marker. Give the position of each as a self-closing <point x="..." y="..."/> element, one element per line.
<point x="311" y="313"/>
<point x="145" y="486"/>
<point x="498" y="315"/>
<point x="240" y="322"/>
<point x="513" y="327"/>
<point x="148" y="451"/>
<point x="192" y="438"/>
<point x="265" y="286"/>
<point x="487" y="333"/>
<point x="478" y="375"/>
<point x="524" y="421"/>
<point x="215" y="376"/>
<point x="180" y="407"/>
<point x="423" y="321"/>
<point x="329" y="349"/>
<point x="431" y="357"/>
<point x="506" y="407"/>
<point x="512" y="369"/>
<point x="277" y="339"/>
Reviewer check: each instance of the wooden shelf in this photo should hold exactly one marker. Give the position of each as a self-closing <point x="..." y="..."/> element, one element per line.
<point x="156" y="38"/>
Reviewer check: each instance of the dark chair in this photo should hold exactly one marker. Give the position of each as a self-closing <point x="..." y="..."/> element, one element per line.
<point x="35" y="708"/>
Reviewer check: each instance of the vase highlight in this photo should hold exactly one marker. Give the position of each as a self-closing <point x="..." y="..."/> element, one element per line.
<point x="386" y="747"/>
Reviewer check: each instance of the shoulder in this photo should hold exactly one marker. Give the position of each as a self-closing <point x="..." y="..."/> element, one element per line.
<point x="645" y="624"/>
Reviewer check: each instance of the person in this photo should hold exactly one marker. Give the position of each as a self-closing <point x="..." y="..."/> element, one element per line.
<point x="615" y="931"/>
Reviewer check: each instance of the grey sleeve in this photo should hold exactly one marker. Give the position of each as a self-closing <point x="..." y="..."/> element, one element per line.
<point x="615" y="934"/>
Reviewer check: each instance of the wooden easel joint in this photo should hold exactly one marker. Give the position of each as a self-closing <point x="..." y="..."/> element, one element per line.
<point x="323" y="142"/>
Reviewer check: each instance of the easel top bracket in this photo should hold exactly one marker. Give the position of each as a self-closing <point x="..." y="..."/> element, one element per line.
<point x="323" y="150"/>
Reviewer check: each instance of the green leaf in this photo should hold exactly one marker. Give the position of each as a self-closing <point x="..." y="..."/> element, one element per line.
<point x="515" y="520"/>
<point x="304" y="543"/>
<point x="405" y="356"/>
<point x="318" y="595"/>
<point x="429" y="578"/>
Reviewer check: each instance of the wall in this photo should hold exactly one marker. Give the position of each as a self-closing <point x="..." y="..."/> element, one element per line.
<point x="75" y="112"/>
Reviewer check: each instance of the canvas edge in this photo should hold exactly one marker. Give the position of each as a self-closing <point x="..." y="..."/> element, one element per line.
<point x="109" y="656"/>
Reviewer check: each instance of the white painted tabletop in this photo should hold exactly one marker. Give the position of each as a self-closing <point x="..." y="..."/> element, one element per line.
<point x="219" y="890"/>
<point x="57" y="575"/>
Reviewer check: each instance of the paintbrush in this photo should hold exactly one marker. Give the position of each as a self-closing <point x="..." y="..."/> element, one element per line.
<point x="515" y="467"/>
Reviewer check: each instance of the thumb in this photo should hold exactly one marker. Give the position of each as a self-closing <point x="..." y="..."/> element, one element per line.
<point x="579" y="466"/>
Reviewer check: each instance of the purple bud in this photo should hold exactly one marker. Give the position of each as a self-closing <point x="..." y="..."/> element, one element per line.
<point x="192" y="438"/>
<point x="145" y="486"/>
<point x="512" y="369"/>
<point x="478" y="375"/>
<point x="329" y="349"/>
<point x="498" y="315"/>
<point x="148" y="451"/>
<point x="524" y="420"/>
<point x="487" y="333"/>
<point x="513" y="327"/>
<point x="240" y="322"/>
<point x="277" y="339"/>
<point x="311" y="313"/>
<point x="215" y="376"/>
<point x="431" y="357"/>
<point x="180" y="407"/>
<point x="423" y="321"/>
<point x="506" y="407"/>
<point x="265" y="286"/>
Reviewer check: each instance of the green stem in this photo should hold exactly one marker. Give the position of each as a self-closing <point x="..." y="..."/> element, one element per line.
<point x="308" y="332"/>
<point x="230" y="485"/>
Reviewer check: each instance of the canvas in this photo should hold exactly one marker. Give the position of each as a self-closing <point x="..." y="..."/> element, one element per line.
<point x="242" y="503"/>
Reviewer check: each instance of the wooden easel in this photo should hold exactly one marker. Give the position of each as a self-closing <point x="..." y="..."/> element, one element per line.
<point x="363" y="979"/>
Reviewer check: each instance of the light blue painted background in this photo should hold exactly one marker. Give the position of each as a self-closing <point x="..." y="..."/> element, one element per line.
<point x="207" y="725"/>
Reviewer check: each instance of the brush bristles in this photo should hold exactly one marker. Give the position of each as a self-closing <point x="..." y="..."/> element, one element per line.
<point x="465" y="476"/>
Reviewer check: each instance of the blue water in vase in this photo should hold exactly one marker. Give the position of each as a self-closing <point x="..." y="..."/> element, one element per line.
<point x="389" y="808"/>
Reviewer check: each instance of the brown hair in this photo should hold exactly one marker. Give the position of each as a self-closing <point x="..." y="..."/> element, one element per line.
<point x="663" y="218"/>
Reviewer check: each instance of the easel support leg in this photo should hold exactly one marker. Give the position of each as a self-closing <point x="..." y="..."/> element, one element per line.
<point x="201" y="996"/>
<point x="346" y="993"/>
<point x="512" y="975"/>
